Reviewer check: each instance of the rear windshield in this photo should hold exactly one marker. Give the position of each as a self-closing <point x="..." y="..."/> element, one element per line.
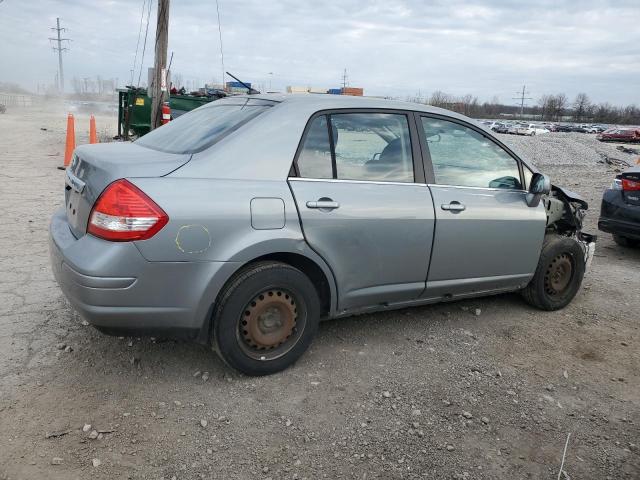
<point x="200" y="128"/>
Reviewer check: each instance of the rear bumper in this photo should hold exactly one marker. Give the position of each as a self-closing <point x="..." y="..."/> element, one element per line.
<point x="117" y="290"/>
<point x="618" y="217"/>
<point x="616" y="227"/>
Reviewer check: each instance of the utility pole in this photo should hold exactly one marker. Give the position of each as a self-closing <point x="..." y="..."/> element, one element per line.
<point x="159" y="87"/>
<point x="344" y="78"/>
<point x="59" y="49"/>
<point x="521" y="96"/>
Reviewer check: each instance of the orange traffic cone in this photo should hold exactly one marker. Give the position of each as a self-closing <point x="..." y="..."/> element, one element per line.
<point x="93" y="138"/>
<point x="71" y="140"/>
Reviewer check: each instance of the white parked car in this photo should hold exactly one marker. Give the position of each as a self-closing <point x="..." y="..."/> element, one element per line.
<point x="531" y="130"/>
<point x="513" y="128"/>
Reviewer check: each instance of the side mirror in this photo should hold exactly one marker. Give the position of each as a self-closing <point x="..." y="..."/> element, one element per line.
<point x="540" y="185"/>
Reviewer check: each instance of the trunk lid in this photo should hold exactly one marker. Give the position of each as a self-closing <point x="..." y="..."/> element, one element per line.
<point x="96" y="166"/>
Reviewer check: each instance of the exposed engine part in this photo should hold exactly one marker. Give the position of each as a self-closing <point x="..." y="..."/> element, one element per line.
<point x="555" y="210"/>
<point x="565" y="214"/>
<point x="565" y="211"/>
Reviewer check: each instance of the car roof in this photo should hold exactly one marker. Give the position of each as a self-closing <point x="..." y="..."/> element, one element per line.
<point x="275" y="134"/>
<point x="323" y="101"/>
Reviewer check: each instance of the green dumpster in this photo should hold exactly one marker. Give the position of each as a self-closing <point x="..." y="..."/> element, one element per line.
<point x="134" y="109"/>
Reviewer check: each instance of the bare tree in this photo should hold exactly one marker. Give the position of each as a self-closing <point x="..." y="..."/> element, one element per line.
<point x="543" y="102"/>
<point x="603" y="113"/>
<point x="560" y="105"/>
<point x="467" y="105"/>
<point x="549" y="108"/>
<point x="440" y="99"/>
<point x="581" y="106"/>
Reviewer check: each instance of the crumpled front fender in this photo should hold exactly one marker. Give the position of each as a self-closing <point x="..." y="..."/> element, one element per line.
<point x="571" y="196"/>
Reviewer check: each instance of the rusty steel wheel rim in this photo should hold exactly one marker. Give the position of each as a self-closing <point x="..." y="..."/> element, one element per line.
<point x="559" y="274"/>
<point x="270" y="324"/>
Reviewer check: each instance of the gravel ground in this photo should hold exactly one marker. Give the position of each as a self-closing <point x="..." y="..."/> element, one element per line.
<point x="480" y="389"/>
<point x="566" y="150"/>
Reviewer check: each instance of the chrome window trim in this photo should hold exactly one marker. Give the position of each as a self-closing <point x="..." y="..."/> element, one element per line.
<point x="439" y="185"/>
<point x="382" y="182"/>
<point x="339" y="180"/>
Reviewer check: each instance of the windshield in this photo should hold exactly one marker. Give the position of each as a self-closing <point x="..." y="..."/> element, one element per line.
<point x="200" y="128"/>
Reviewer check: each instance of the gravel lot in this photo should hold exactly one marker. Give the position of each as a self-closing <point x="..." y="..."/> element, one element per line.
<point x="480" y="389"/>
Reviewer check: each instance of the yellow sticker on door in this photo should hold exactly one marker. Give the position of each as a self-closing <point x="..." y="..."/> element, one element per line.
<point x="139" y="102"/>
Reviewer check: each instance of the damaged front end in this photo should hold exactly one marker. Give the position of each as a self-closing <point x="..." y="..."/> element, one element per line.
<point x="565" y="214"/>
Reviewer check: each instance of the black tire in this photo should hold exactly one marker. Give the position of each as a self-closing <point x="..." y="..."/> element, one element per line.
<point x="625" y="241"/>
<point x="284" y="288"/>
<point x="554" y="284"/>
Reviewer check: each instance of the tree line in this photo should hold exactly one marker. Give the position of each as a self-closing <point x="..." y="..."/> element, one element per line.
<point x="553" y="108"/>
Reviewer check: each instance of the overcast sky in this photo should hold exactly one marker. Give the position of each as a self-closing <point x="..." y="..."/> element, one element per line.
<point x="389" y="47"/>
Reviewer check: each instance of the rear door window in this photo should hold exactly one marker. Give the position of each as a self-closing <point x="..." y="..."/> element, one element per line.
<point x="363" y="146"/>
<point x="462" y="156"/>
<point x="372" y="146"/>
<point x="200" y="128"/>
<point x="315" y="157"/>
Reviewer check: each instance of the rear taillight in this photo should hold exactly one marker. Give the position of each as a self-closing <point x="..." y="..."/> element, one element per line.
<point x="630" y="185"/>
<point x="123" y="213"/>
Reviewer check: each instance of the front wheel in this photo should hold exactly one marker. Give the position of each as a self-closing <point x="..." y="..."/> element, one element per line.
<point x="265" y="318"/>
<point x="558" y="275"/>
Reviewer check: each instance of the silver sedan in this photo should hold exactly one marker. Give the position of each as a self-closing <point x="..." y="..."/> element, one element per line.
<point x="245" y="222"/>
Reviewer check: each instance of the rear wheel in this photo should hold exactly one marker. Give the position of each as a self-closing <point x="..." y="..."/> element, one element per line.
<point x="559" y="274"/>
<point x="625" y="241"/>
<point x="266" y="318"/>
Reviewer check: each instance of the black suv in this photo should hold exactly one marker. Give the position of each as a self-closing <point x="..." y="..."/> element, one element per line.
<point x="620" y="211"/>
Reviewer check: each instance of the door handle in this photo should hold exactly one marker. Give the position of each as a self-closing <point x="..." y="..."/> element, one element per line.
<point x="323" y="204"/>
<point x="453" y="207"/>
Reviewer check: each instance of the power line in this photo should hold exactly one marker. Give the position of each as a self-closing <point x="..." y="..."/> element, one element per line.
<point x="522" y="98"/>
<point x="135" y="59"/>
<point x="58" y="39"/>
<point x="144" y="46"/>
<point x="220" y="35"/>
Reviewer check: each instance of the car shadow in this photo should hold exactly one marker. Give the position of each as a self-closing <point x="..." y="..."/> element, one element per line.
<point x="167" y="360"/>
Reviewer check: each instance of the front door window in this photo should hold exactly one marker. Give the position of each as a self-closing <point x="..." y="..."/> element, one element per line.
<point x="464" y="157"/>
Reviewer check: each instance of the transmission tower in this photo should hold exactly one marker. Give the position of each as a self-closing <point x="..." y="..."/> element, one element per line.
<point x="59" y="48"/>
<point x="522" y="97"/>
<point x="344" y="79"/>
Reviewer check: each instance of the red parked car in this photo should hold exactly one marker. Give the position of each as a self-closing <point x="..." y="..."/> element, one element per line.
<point x="620" y="135"/>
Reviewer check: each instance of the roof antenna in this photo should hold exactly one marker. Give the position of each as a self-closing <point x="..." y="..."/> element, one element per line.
<point x="251" y="90"/>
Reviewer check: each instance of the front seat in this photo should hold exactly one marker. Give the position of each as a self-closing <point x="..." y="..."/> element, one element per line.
<point x="392" y="153"/>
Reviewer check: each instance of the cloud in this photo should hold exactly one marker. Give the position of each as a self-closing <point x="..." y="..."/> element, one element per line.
<point x="390" y="47"/>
